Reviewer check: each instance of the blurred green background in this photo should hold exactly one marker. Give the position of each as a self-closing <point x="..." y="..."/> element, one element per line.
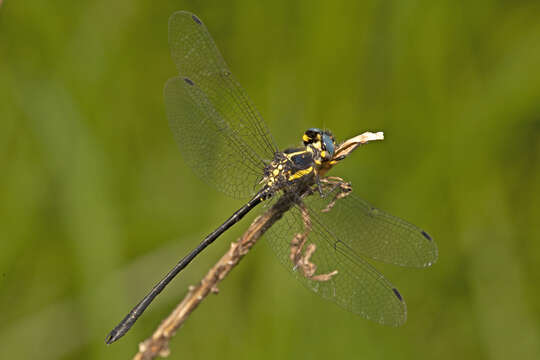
<point x="96" y="202"/>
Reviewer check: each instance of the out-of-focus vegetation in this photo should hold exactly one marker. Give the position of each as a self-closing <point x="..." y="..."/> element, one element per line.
<point x="96" y="202"/>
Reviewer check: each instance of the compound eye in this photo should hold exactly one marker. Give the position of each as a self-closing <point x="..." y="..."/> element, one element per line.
<point x="328" y="145"/>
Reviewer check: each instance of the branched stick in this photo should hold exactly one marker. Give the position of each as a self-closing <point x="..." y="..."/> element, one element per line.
<point x="158" y="343"/>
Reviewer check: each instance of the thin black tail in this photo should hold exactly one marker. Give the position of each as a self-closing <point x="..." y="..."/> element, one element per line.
<point x="128" y="321"/>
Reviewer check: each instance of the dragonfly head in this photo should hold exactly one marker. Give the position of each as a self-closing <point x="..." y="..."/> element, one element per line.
<point x="323" y="141"/>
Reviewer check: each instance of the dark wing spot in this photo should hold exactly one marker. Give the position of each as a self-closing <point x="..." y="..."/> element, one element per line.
<point x="398" y="295"/>
<point x="188" y="81"/>
<point x="426" y="235"/>
<point x="196" y="19"/>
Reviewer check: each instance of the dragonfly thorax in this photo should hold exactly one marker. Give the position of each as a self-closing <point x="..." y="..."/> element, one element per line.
<point x="299" y="166"/>
<point x="287" y="168"/>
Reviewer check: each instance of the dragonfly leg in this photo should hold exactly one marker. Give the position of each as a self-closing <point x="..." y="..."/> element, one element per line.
<point x="329" y="180"/>
<point x="345" y="189"/>
<point x="318" y="182"/>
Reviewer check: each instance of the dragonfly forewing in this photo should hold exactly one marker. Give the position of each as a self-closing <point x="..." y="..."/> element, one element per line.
<point x="224" y="113"/>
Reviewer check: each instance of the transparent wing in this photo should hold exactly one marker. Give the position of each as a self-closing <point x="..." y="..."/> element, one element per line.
<point x="372" y="232"/>
<point x="352" y="282"/>
<point x="218" y="129"/>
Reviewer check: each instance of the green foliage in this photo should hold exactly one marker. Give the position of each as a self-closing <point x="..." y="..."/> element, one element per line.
<point x="96" y="202"/>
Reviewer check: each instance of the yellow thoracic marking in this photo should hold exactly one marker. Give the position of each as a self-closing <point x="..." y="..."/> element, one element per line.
<point x="323" y="154"/>
<point x="290" y="155"/>
<point x="300" y="173"/>
<point x="318" y="162"/>
<point x="305" y="138"/>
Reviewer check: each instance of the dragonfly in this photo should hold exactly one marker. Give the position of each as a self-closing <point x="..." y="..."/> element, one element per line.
<point x="327" y="234"/>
